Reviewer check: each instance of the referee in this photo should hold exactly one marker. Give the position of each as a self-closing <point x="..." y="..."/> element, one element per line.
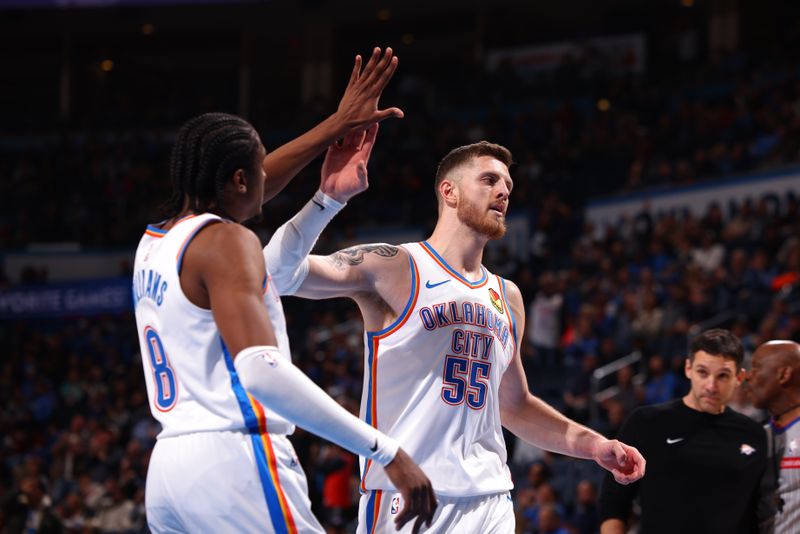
<point x="704" y="460"/>
<point x="774" y="383"/>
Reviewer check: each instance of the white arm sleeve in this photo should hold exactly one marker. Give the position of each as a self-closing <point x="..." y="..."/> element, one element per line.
<point x="286" y="254"/>
<point x="283" y="388"/>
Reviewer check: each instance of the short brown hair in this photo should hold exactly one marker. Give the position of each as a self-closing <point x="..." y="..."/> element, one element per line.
<point x="459" y="156"/>
<point x="718" y="342"/>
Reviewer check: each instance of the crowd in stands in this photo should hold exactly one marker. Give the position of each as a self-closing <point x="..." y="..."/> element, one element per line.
<point x="76" y="430"/>
<point x="736" y="114"/>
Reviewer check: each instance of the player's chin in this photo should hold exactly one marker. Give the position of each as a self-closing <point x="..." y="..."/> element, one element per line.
<point x="496" y="229"/>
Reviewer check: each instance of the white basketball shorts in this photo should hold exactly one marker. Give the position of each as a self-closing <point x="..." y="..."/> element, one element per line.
<point x="487" y="514"/>
<point x="227" y="482"/>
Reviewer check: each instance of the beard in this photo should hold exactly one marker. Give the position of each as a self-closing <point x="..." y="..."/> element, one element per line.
<point x="482" y="222"/>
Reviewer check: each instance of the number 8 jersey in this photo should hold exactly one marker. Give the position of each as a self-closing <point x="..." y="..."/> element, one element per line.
<point x="432" y="378"/>
<point x="191" y="382"/>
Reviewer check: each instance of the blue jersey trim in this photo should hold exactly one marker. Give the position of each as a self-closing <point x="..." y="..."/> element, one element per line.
<point x="452" y="271"/>
<point x="189" y="240"/>
<point x="510" y="313"/>
<point x="251" y="420"/>
<point x="156" y="230"/>
<point x="781" y="429"/>
<point x="409" y="302"/>
<point x="371" y="511"/>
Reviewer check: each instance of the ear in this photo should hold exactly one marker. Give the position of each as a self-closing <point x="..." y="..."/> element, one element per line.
<point x="785" y="375"/>
<point x="449" y="192"/>
<point x="687" y="368"/>
<point x="239" y="181"/>
<point x="740" y="376"/>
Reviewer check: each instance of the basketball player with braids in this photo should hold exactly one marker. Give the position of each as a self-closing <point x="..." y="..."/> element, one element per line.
<point x="773" y="383"/>
<point x="442" y="342"/>
<point x="213" y="338"/>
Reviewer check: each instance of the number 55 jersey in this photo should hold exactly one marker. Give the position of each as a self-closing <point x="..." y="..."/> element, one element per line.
<point x="432" y="378"/>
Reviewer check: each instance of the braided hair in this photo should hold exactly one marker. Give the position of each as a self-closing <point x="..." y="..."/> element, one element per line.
<point x="208" y="150"/>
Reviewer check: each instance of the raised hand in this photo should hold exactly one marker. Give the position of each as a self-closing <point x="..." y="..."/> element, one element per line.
<point x="625" y="462"/>
<point x="419" y="501"/>
<point x="359" y="105"/>
<point x="344" y="171"/>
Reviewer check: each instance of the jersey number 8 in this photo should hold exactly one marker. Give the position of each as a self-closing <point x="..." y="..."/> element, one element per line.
<point x="163" y="375"/>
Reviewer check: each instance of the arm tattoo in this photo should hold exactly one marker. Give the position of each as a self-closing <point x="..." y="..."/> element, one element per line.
<point x="355" y="255"/>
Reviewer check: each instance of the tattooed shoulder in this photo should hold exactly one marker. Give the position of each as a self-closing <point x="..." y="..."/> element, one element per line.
<point x="355" y="255"/>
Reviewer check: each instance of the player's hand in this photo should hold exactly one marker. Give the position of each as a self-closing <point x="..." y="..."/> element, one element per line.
<point x="625" y="462"/>
<point x="418" y="498"/>
<point x="344" y="171"/>
<point x="358" y="107"/>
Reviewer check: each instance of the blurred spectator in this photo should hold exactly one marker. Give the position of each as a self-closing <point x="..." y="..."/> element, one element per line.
<point x="708" y="255"/>
<point x="29" y="509"/>
<point x="550" y="520"/>
<point x="338" y="466"/>
<point x="544" y="321"/>
<point x="628" y="393"/>
<point x="661" y="381"/>
<point x="545" y="496"/>
<point x="585" y="517"/>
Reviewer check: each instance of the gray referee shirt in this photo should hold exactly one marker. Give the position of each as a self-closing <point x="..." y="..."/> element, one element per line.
<point x="784" y="460"/>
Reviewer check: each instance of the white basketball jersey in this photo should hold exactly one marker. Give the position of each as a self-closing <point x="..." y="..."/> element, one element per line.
<point x="432" y="378"/>
<point x="191" y="381"/>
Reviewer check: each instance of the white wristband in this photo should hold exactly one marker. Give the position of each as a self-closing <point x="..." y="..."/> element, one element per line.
<point x="286" y="254"/>
<point x="385" y="448"/>
<point x="277" y="384"/>
<point x="328" y="203"/>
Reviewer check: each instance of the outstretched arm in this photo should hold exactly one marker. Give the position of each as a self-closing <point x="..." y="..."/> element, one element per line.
<point x="357" y="109"/>
<point x="234" y="292"/>
<point x="344" y="174"/>
<point x="538" y="423"/>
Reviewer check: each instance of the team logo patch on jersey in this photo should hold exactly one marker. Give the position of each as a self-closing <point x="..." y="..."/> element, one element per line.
<point x="395" y="505"/>
<point x="792" y="446"/>
<point x="496" y="302"/>
<point x="746" y="449"/>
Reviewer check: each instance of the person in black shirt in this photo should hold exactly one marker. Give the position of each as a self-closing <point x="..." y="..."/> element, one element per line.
<point x="704" y="460"/>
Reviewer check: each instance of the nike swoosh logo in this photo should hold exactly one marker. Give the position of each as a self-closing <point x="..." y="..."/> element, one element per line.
<point x="320" y="206"/>
<point x="431" y="286"/>
<point x="374" y="448"/>
<point x="673" y="441"/>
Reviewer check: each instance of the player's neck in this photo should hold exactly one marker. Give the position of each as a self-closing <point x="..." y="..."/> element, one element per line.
<point x="172" y="221"/>
<point x="783" y="415"/>
<point x="461" y="247"/>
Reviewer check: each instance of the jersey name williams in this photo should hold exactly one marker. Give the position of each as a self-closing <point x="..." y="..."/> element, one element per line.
<point x="148" y="283"/>
<point x="472" y="313"/>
